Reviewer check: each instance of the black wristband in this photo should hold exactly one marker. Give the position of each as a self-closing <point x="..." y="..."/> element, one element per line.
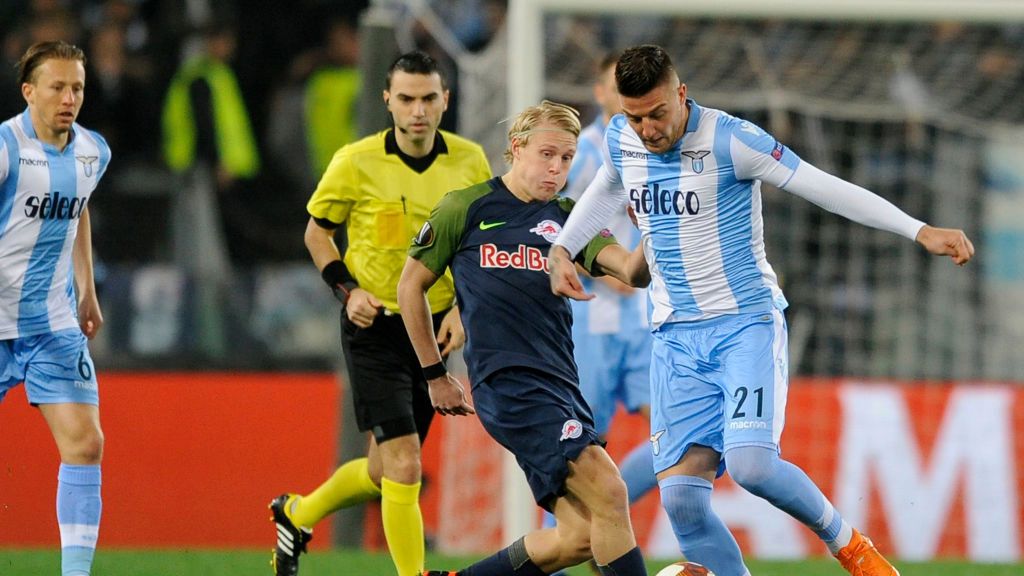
<point x="434" y="371"/>
<point x="340" y="280"/>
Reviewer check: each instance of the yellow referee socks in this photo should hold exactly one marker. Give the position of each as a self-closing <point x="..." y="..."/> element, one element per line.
<point x="403" y="525"/>
<point x="349" y="485"/>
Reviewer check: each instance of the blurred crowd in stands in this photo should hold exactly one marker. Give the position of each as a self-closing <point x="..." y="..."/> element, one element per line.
<point x="296" y="65"/>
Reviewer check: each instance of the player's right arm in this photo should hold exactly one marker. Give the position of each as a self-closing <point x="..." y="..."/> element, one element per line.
<point x="361" y="307"/>
<point x="329" y="208"/>
<point x="446" y="393"/>
<point x="432" y="251"/>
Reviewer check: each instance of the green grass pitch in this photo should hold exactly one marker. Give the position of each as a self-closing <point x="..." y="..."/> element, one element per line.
<point x="18" y="562"/>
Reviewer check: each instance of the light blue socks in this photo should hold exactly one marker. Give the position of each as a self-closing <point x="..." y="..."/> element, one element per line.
<point x="78" y="513"/>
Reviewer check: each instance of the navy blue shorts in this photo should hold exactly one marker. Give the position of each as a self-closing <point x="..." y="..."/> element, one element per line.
<point x="540" y="418"/>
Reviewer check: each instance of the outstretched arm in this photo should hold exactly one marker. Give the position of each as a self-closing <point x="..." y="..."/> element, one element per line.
<point x="446" y="393"/>
<point x="90" y="318"/>
<point x="865" y="207"/>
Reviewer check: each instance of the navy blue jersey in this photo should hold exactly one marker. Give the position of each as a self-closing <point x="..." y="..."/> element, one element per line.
<point x="497" y="248"/>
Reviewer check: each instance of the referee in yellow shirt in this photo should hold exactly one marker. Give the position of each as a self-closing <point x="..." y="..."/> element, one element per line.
<point x="384" y="187"/>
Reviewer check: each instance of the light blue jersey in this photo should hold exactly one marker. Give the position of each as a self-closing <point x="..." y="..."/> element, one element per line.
<point x="43" y="192"/>
<point x="611" y="336"/>
<point x="698" y="206"/>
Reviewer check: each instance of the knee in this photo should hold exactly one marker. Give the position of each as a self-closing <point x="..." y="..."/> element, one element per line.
<point x="611" y="495"/>
<point x="752" y="467"/>
<point x="403" y="467"/>
<point x="86" y="449"/>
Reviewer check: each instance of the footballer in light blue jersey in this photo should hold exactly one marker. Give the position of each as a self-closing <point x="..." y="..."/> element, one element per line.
<point x="43" y="193"/>
<point x="49" y="168"/>
<point x="719" y="367"/>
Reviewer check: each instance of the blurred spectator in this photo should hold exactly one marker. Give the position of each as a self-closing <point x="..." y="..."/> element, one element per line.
<point x="208" y="141"/>
<point x="314" y="113"/>
<point x="208" y="137"/>
<point x="120" y="100"/>
<point x="332" y="93"/>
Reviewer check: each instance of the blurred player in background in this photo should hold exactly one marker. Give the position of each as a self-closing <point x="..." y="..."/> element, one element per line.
<point x="611" y="337"/>
<point x="49" y="168"/>
<point x="719" y="374"/>
<point x="383" y="187"/>
<point x="494" y="237"/>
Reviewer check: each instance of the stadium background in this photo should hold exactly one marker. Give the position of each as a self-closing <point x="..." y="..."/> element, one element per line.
<point x="906" y="404"/>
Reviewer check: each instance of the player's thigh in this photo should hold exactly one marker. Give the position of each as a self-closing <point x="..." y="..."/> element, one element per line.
<point x="754" y="361"/>
<point x="686" y="402"/>
<point x="540" y="419"/>
<point x="58" y="368"/>
<point x="594" y="480"/>
<point x="76" y="431"/>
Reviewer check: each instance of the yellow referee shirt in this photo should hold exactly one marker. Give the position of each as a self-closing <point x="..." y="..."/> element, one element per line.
<point x="385" y="197"/>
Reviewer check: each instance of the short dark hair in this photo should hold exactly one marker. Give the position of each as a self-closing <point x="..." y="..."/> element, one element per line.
<point x="641" y="69"/>
<point x="40" y="52"/>
<point x="416" y="62"/>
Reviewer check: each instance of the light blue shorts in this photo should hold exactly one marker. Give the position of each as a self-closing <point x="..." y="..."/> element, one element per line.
<point x="720" y="383"/>
<point x="613" y="368"/>
<point x="56" y="368"/>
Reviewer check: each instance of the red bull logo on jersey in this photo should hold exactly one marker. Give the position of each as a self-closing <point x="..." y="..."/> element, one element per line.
<point x="524" y="258"/>
<point x="571" y="429"/>
<point x="548" y="229"/>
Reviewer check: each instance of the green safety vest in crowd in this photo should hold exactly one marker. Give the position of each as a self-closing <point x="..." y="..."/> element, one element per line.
<point x="331" y="98"/>
<point x="236" y="144"/>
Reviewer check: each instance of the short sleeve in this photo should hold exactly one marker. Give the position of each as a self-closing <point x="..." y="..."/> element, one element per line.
<point x="337" y="191"/>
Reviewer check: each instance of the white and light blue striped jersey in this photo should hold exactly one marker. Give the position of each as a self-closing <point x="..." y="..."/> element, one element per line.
<point x="698" y="207"/>
<point x="43" y="192"/>
<point x="609" y="312"/>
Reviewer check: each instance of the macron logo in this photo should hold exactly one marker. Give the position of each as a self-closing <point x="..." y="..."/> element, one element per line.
<point x="524" y="258"/>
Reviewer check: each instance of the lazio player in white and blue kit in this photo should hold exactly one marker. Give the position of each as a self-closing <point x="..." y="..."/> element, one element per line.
<point x="719" y="370"/>
<point x="49" y="168"/>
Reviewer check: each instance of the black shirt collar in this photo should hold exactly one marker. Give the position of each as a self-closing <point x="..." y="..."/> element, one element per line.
<point x="419" y="165"/>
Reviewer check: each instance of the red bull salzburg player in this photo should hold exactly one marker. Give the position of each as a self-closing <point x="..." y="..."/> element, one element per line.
<point x="495" y="237"/>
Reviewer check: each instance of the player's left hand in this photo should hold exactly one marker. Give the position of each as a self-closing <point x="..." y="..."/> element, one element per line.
<point x="448" y="396"/>
<point x="90" y="318"/>
<point x="946" y="242"/>
<point x="564" y="279"/>
<point x="451" y="336"/>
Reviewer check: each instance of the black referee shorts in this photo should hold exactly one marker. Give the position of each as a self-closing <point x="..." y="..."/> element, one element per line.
<point x="390" y="395"/>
